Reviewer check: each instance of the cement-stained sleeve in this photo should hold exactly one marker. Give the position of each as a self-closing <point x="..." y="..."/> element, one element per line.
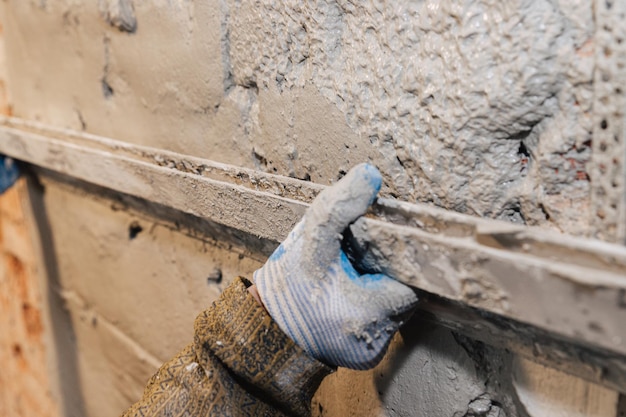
<point x="240" y="364"/>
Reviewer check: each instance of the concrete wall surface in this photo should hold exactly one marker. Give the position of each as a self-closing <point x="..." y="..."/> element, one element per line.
<point x="507" y="110"/>
<point x="482" y="107"/>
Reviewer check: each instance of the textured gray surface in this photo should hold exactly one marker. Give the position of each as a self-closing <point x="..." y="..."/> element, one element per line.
<point x="481" y="107"/>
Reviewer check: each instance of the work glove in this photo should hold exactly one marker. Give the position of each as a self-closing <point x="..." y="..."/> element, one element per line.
<point x="310" y="288"/>
<point x="8" y="173"/>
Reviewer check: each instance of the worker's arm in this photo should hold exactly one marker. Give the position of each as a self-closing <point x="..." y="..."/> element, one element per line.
<point x="266" y="353"/>
<point x="240" y="364"/>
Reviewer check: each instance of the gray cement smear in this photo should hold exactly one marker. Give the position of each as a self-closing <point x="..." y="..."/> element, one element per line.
<point x="455" y="386"/>
<point x="482" y="107"/>
<point x="479" y="106"/>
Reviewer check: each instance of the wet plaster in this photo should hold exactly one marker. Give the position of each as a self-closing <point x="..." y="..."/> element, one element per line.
<point x="479" y="107"/>
<point x="393" y="388"/>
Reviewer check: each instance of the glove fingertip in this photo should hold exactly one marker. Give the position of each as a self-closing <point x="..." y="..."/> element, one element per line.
<point x="373" y="177"/>
<point x="342" y="203"/>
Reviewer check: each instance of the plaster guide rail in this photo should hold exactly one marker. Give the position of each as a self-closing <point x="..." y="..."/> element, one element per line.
<point x="553" y="297"/>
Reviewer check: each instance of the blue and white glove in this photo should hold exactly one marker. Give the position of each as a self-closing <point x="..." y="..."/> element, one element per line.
<point x="313" y="292"/>
<point x="8" y="173"/>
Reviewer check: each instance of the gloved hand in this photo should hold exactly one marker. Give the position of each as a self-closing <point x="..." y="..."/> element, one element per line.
<point x="310" y="288"/>
<point x="8" y="173"/>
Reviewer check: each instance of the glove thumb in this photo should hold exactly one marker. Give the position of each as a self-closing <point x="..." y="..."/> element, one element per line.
<point x="336" y="207"/>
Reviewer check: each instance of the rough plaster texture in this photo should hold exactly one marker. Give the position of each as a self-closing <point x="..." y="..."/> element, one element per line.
<point x="482" y="107"/>
<point x="478" y="106"/>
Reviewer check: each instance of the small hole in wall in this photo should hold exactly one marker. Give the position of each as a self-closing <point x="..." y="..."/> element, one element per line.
<point x="603" y="147"/>
<point x="523" y="150"/>
<point x="604" y="124"/>
<point x="215" y="276"/>
<point x="134" y="229"/>
<point x="512" y="212"/>
<point x="341" y="174"/>
<point x="494" y="403"/>
<point x="107" y="90"/>
<point x="524" y="156"/>
<point x="609" y="5"/>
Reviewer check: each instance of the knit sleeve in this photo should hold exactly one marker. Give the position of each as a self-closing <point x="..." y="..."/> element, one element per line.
<point x="240" y="364"/>
<point x="242" y="335"/>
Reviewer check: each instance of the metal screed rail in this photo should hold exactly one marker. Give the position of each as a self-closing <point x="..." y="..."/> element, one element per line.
<point x="558" y="299"/>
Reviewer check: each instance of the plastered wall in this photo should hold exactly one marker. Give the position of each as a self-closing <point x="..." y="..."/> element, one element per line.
<point x="478" y="106"/>
<point x="483" y="107"/>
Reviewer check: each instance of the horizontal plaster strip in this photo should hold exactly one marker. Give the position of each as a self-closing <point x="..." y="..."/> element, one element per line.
<point x="568" y="293"/>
